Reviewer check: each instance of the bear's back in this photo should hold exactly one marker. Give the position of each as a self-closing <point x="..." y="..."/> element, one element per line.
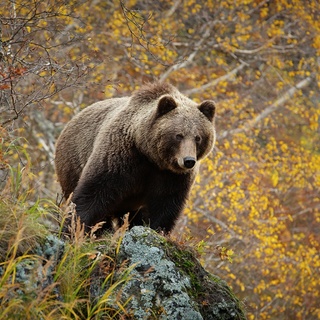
<point x="76" y="141"/>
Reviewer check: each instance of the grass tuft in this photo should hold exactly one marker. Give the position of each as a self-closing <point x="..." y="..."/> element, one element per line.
<point x="45" y="276"/>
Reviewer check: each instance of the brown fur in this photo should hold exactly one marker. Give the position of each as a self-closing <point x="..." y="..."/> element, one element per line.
<point x="135" y="154"/>
<point x="151" y="92"/>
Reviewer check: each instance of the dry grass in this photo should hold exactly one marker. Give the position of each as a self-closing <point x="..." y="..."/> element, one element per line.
<point x="84" y="264"/>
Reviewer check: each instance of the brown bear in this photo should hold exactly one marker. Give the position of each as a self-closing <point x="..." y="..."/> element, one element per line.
<point x="137" y="154"/>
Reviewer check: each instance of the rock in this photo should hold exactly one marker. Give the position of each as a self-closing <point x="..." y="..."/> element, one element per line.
<point x="144" y="276"/>
<point x="157" y="287"/>
<point x="35" y="272"/>
<point x="169" y="283"/>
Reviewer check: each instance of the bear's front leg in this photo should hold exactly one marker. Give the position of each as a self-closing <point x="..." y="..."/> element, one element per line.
<point x="95" y="198"/>
<point x="163" y="212"/>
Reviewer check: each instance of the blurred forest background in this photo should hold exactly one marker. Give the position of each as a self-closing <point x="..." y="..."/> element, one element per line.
<point x="257" y="199"/>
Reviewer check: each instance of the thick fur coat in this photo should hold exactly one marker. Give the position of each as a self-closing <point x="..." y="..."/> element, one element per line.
<point x="137" y="154"/>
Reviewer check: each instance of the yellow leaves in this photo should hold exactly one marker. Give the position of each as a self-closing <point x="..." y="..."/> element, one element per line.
<point x="242" y="16"/>
<point x="243" y="38"/>
<point x="232" y="276"/>
<point x="220" y="61"/>
<point x="225" y="254"/>
<point x="254" y="213"/>
<point x="298" y="236"/>
<point x="43" y="23"/>
<point x="275" y="29"/>
<point x="192" y="215"/>
<point x="196" y="8"/>
<point x="275" y="178"/>
<point x="260" y="287"/>
<point x="43" y="73"/>
<point x="298" y="301"/>
<point x="314" y="121"/>
<point x="316" y="43"/>
<point x="280" y="85"/>
<point x="271" y="147"/>
<point x="277" y="62"/>
<point x="63" y="10"/>
<point x="67" y="110"/>
<point x="210" y="231"/>
<point x="240" y="285"/>
<point x="264" y="201"/>
<point x="118" y="20"/>
<point x="283" y="146"/>
<point x="132" y="3"/>
<point x="193" y="6"/>
<point x="232" y="217"/>
<point x="268" y="251"/>
<point x="264" y="12"/>
<point x="304" y="266"/>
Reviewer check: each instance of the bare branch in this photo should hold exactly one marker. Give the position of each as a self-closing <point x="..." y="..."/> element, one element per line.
<point x="135" y="21"/>
<point x="278" y="103"/>
<point x="34" y="68"/>
<point x="207" y="28"/>
<point x="213" y="83"/>
<point x="211" y="218"/>
<point x="173" y="8"/>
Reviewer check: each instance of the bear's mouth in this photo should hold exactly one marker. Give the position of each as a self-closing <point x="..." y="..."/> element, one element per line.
<point x="179" y="166"/>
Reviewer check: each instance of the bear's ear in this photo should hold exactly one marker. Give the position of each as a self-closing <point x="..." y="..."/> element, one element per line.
<point x="208" y="108"/>
<point x="165" y="105"/>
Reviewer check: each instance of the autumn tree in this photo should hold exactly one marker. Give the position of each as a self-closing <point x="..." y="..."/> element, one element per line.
<point x="35" y="66"/>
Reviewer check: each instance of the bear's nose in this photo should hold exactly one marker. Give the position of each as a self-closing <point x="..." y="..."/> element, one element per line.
<point x="189" y="162"/>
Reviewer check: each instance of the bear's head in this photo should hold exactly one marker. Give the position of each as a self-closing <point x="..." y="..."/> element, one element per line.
<point x="180" y="133"/>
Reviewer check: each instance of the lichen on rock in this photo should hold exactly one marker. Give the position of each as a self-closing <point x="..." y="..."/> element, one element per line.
<point x="163" y="288"/>
<point x="157" y="287"/>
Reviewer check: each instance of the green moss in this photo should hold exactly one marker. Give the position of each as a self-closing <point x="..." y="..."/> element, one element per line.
<point x="214" y="297"/>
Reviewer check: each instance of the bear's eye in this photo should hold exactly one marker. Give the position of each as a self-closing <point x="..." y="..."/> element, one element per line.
<point x="198" y="138"/>
<point x="179" y="137"/>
